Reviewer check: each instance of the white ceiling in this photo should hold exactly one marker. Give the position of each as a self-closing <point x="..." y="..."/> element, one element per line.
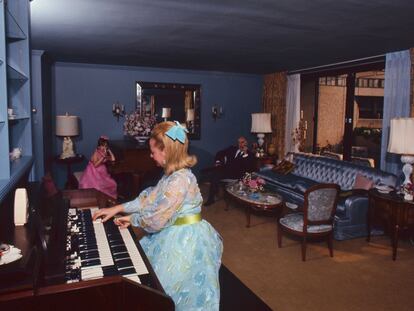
<point x="252" y="36"/>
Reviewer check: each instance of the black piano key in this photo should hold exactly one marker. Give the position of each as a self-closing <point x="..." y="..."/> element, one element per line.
<point x="110" y="270"/>
<point x="95" y="262"/>
<point x="89" y="254"/>
<point x="121" y="255"/>
<point x="118" y="249"/>
<point x="123" y="263"/>
<point x="127" y="271"/>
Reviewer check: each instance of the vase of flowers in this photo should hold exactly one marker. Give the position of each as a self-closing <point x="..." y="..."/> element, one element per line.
<point x="138" y="126"/>
<point x="253" y="184"/>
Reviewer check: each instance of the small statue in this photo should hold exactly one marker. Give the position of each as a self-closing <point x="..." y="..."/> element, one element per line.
<point x="67" y="148"/>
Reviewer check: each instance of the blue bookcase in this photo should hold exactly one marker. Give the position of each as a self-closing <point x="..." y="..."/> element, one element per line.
<point x="15" y="128"/>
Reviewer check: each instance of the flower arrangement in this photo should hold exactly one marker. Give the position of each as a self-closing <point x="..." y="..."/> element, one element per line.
<point x="136" y="125"/>
<point x="253" y="184"/>
<point x="408" y="191"/>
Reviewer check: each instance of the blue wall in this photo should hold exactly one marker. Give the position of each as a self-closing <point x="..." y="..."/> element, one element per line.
<point x="89" y="91"/>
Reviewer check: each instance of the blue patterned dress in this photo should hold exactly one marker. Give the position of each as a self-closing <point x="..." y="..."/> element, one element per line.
<point x="186" y="258"/>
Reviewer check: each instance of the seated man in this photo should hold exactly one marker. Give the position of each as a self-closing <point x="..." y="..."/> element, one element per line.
<point x="230" y="163"/>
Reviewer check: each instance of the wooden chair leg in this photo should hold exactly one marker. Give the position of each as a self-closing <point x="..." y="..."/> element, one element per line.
<point x="279" y="235"/>
<point x="304" y="249"/>
<point x="330" y="243"/>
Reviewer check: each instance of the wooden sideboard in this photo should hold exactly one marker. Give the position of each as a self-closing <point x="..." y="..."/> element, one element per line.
<point x="134" y="169"/>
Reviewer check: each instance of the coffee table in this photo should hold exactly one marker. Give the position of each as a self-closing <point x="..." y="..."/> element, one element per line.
<point x="265" y="202"/>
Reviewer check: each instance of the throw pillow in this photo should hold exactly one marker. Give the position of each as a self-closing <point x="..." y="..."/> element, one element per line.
<point x="362" y="182"/>
<point x="284" y="167"/>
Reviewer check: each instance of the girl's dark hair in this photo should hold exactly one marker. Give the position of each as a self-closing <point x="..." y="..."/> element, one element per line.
<point x="102" y="141"/>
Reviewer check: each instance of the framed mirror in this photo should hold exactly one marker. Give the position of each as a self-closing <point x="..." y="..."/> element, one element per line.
<point x="171" y="101"/>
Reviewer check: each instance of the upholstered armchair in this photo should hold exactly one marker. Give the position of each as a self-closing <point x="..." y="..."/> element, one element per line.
<point x="317" y="218"/>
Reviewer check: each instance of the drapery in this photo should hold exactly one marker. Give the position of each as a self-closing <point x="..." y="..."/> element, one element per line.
<point x="292" y="111"/>
<point x="396" y="103"/>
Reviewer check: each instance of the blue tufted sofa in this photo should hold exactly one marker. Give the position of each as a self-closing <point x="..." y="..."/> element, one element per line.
<point x="350" y="219"/>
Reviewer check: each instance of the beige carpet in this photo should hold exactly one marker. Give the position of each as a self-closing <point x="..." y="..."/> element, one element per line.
<point x="360" y="276"/>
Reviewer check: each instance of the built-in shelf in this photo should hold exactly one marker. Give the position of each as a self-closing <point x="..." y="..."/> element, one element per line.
<point x="14" y="92"/>
<point x="13" y="31"/>
<point x="18" y="118"/>
<point x="15" y="74"/>
<point x="18" y="167"/>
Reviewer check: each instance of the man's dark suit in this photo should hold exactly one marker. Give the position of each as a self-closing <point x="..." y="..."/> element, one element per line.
<point x="231" y="163"/>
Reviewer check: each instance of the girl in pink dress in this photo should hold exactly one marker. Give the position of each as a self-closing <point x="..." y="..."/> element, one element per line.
<point x="96" y="175"/>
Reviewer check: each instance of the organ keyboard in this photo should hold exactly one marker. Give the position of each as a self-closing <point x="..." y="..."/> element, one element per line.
<point x="95" y="249"/>
<point x="79" y="262"/>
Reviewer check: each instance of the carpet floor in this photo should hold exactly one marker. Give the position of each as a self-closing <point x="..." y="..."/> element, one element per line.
<point x="360" y="276"/>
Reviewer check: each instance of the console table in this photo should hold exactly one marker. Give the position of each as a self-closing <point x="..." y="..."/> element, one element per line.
<point x="392" y="210"/>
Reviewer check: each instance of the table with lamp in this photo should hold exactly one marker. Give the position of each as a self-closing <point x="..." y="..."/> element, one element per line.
<point x="67" y="126"/>
<point x="395" y="208"/>
<point x="261" y="125"/>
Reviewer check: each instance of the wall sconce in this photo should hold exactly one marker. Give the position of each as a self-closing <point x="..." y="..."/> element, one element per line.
<point x="118" y="110"/>
<point x="216" y="112"/>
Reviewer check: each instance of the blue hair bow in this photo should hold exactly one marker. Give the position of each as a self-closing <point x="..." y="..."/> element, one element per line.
<point x="177" y="132"/>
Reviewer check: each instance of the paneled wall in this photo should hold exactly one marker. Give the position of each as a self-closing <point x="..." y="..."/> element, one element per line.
<point x="274" y="101"/>
<point x="89" y="91"/>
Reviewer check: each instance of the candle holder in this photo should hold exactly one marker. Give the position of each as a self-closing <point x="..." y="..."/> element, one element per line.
<point x="118" y="110"/>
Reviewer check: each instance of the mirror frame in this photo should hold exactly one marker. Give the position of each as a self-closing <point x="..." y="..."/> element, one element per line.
<point x="196" y="88"/>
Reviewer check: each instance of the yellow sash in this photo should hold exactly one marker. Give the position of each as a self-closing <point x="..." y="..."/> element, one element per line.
<point x="188" y="220"/>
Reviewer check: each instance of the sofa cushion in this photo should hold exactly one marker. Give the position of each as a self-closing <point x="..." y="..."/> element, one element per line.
<point x="361" y="182"/>
<point x="284" y="167"/>
<point x="289" y="181"/>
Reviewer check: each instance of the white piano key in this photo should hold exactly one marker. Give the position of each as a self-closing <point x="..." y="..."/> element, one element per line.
<point x="133" y="252"/>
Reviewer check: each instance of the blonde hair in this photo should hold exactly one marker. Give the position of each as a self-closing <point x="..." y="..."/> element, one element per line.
<point x="176" y="156"/>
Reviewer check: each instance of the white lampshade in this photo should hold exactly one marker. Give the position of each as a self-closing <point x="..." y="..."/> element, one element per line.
<point x="166" y="113"/>
<point x="67" y="125"/>
<point x="401" y="136"/>
<point x="261" y="123"/>
<point x="190" y="114"/>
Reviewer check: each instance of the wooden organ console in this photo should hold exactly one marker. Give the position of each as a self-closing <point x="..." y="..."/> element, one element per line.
<point x="71" y="262"/>
<point x="133" y="168"/>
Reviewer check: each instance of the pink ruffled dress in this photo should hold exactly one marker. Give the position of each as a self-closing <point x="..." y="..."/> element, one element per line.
<point x="98" y="178"/>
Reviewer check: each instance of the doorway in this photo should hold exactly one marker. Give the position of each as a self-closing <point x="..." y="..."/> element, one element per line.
<point x="343" y="112"/>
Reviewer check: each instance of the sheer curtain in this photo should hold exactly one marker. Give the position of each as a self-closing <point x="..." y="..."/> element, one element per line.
<point x="396" y="103"/>
<point x="292" y="111"/>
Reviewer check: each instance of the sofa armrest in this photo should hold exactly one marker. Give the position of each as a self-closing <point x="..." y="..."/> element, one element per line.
<point x="355" y="208"/>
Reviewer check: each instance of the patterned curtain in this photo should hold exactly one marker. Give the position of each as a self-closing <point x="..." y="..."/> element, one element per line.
<point x="274" y="102"/>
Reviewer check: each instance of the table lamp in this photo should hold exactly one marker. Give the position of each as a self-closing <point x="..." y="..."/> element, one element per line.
<point x="402" y="142"/>
<point x="166" y="113"/>
<point x="261" y="124"/>
<point x="67" y="126"/>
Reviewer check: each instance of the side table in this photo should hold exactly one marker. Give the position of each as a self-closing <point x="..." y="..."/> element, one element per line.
<point x="262" y="161"/>
<point x="393" y="210"/>
<point x="70" y="182"/>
